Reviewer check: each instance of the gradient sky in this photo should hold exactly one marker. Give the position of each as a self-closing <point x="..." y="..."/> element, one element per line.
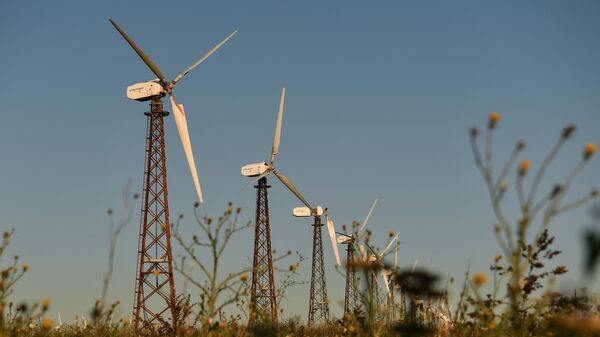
<point x="380" y="98"/>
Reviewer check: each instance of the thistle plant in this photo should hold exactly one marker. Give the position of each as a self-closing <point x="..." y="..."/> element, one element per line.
<point x="524" y="253"/>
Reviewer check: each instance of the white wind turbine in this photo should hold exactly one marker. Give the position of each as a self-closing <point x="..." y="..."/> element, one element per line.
<point x="160" y="87"/>
<point x="263" y="169"/>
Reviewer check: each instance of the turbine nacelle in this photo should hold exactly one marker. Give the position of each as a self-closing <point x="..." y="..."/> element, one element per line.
<point x="345" y="239"/>
<point x="304" y="211"/>
<point x="254" y="170"/>
<point x="145" y="91"/>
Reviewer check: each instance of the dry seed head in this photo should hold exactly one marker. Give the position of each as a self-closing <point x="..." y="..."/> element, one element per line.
<point x="391" y="234"/>
<point x="293" y="267"/>
<point x="474" y="132"/>
<point x="520" y="145"/>
<point x="568" y="131"/>
<point x="24" y="266"/>
<point x="45" y="304"/>
<point x="244" y="277"/>
<point x="589" y="150"/>
<point x="479" y="279"/>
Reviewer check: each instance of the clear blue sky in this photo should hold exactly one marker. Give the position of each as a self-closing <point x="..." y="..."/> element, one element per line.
<point x="380" y="98"/>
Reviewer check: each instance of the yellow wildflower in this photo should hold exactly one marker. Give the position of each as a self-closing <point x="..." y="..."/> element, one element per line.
<point x="479" y="279"/>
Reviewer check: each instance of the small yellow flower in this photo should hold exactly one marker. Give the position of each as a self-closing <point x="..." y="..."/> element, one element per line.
<point x="156" y="272"/>
<point x="494" y="119"/>
<point x="293" y="267"/>
<point x="45" y="304"/>
<point x="590" y="149"/>
<point x="163" y="226"/>
<point x="47" y="324"/>
<point x="524" y="166"/>
<point x="244" y="277"/>
<point x="391" y="234"/>
<point x="125" y="321"/>
<point x="479" y="279"/>
<point x="498" y="257"/>
<point x="24" y="266"/>
<point x="492" y="326"/>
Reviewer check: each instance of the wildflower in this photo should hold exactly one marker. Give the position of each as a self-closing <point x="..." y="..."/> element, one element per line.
<point x="479" y="279"/>
<point x="45" y="304"/>
<point x="590" y="149"/>
<point x="24" y="267"/>
<point x="494" y="119"/>
<point x="524" y="167"/>
<point x="498" y="257"/>
<point x="125" y="321"/>
<point x="156" y="272"/>
<point x="293" y="267"/>
<point x="244" y="277"/>
<point x="47" y="324"/>
<point x="391" y="234"/>
<point x="492" y="325"/>
<point x="163" y="226"/>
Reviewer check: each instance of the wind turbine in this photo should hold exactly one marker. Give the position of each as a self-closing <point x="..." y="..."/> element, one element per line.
<point x="154" y="294"/>
<point x="262" y="295"/>
<point x="318" y="304"/>
<point x="351" y="296"/>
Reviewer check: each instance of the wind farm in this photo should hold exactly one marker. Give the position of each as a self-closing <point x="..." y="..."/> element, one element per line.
<point x="422" y="204"/>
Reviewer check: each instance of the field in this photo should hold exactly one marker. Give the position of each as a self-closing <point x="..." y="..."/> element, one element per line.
<point x="522" y="302"/>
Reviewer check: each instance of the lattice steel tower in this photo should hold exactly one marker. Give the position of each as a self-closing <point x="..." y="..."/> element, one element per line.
<point x="318" y="307"/>
<point x="263" y="304"/>
<point x="154" y="296"/>
<point x="351" y="304"/>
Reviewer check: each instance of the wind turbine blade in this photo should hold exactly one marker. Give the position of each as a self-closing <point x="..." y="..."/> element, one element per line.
<point x="364" y="224"/>
<point x="253" y="181"/>
<point x="363" y="251"/>
<point x="141" y="53"/>
<point x="332" y="237"/>
<point x="385" y="250"/>
<point x="277" y="136"/>
<point x="203" y="58"/>
<point x="288" y="183"/>
<point x="382" y="272"/>
<point x="182" y="129"/>
<point x="396" y="257"/>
